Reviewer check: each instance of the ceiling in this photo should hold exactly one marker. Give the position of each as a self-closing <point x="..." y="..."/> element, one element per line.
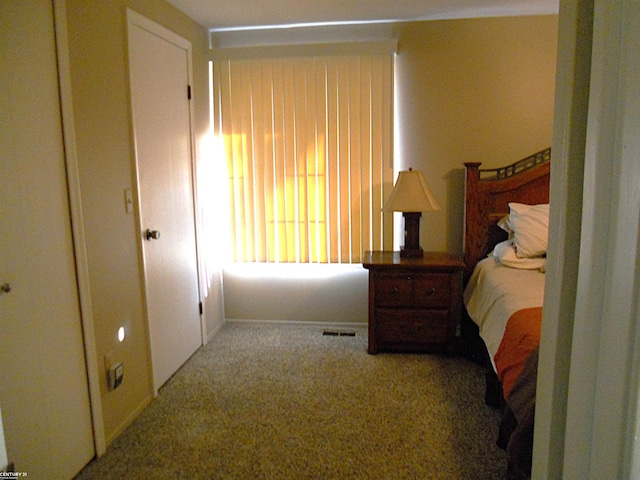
<point x="236" y="14"/>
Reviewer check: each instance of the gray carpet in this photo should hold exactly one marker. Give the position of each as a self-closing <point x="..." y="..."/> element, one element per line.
<point x="287" y="402"/>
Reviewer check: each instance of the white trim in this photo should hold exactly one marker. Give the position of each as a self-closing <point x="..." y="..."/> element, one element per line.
<point x="632" y="453"/>
<point x="605" y="332"/>
<point x="4" y="460"/>
<point x="134" y="18"/>
<point x="299" y="323"/>
<point x="590" y="348"/>
<point x="309" y="50"/>
<point x="135" y="413"/>
<point x="309" y="35"/>
<point x="574" y="58"/>
<point x="214" y="331"/>
<point x="77" y="224"/>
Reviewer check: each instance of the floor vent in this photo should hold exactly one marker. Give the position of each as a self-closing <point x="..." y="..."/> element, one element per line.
<point x="339" y="333"/>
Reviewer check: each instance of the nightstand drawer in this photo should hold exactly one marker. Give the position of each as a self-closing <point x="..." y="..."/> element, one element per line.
<point x="414" y="303"/>
<point x="413" y="290"/>
<point x="412" y="328"/>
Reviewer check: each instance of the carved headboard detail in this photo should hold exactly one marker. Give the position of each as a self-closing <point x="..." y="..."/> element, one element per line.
<point x="487" y="196"/>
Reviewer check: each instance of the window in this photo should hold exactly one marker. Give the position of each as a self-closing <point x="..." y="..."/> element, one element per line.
<point x="308" y="144"/>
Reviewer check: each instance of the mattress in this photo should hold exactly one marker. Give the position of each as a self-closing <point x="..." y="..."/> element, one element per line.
<point x="495" y="293"/>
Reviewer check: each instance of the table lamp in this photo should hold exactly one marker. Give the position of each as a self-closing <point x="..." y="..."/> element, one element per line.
<point x="411" y="195"/>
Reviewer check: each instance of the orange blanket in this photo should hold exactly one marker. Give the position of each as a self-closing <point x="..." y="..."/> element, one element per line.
<point x="521" y="338"/>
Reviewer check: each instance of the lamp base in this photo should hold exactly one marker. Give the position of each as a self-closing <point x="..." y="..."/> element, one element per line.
<point x="411" y="248"/>
<point x="411" y="252"/>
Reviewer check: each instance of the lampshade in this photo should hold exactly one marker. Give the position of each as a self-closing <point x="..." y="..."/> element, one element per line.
<point x="411" y="194"/>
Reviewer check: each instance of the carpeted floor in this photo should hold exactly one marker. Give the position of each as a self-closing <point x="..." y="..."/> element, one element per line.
<point x="287" y="402"/>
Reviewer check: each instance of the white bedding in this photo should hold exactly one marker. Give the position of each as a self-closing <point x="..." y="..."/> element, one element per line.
<point x="495" y="292"/>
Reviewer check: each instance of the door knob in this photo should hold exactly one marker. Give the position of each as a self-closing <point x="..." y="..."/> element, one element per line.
<point x="152" y="234"/>
<point x="6" y="288"/>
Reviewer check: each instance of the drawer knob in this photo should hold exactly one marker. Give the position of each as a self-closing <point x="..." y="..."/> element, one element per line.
<point x="395" y="290"/>
<point x="431" y="291"/>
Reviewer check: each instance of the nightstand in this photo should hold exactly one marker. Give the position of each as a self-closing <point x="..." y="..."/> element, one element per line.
<point x="414" y="303"/>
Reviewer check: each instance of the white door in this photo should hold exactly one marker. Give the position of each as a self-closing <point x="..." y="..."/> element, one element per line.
<point x="159" y="64"/>
<point x="43" y="380"/>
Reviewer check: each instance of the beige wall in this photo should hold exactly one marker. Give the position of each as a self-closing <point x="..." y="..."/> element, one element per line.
<point x="467" y="90"/>
<point x="296" y="293"/>
<point x="100" y="92"/>
<point x="477" y="90"/>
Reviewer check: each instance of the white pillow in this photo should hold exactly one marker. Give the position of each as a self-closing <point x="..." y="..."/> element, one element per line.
<point x="530" y="224"/>
<point x="503" y="223"/>
<point x="505" y="253"/>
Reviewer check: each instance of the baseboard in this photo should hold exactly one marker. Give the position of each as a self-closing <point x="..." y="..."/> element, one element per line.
<point x="299" y="323"/>
<point x="214" y="332"/>
<point x="129" y="420"/>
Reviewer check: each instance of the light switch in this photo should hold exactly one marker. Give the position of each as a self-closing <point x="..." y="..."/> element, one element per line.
<point x="128" y="200"/>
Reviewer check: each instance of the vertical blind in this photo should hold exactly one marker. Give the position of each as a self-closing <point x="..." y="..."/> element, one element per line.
<point x="308" y="145"/>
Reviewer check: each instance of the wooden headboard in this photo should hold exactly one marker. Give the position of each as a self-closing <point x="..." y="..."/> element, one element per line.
<point x="487" y="195"/>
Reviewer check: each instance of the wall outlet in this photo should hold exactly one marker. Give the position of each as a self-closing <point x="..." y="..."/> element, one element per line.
<point x="115" y="375"/>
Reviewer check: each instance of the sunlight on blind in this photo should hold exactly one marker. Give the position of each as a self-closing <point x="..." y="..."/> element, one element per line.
<point x="308" y="143"/>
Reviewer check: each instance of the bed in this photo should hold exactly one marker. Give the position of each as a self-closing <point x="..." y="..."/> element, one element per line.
<point x="506" y="223"/>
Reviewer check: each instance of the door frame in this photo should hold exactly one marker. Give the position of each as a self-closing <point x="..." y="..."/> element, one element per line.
<point x="136" y="19"/>
<point x="77" y="223"/>
<point x="588" y="409"/>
